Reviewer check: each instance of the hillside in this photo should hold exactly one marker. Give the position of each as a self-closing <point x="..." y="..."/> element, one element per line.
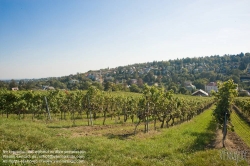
<point x="184" y="144"/>
<point x="170" y="74"/>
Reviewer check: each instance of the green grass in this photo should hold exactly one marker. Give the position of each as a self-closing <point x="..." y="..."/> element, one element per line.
<point x="241" y="128"/>
<point x="184" y="144"/>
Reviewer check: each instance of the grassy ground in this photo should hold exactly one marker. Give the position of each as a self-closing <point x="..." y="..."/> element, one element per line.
<point x="241" y="128"/>
<point x="184" y="144"/>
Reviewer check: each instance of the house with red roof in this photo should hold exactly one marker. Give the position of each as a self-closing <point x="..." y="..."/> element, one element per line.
<point x="211" y="86"/>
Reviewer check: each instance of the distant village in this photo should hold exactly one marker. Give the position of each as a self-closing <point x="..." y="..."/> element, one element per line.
<point x="193" y="76"/>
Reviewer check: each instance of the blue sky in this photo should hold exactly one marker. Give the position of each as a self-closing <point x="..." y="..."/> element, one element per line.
<point x="52" y="38"/>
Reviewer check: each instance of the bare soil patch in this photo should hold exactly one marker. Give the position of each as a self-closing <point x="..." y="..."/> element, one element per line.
<point x="119" y="131"/>
<point x="232" y="143"/>
<point x="103" y="130"/>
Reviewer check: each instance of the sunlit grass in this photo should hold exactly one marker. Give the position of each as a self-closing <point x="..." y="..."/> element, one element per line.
<point x="241" y="128"/>
<point x="184" y="144"/>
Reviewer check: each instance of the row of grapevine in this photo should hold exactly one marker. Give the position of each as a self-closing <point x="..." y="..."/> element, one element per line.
<point x="243" y="104"/>
<point x="154" y="104"/>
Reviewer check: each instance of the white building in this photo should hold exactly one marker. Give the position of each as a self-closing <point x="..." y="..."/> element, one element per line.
<point x="73" y="81"/>
<point x="211" y="86"/>
<point x="200" y="93"/>
<point x="15" y="88"/>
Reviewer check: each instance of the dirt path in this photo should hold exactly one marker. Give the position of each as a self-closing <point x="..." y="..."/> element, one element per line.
<point x="232" y="143"/>
<point x="120" y="131"/>
<point x="100" y="130"/>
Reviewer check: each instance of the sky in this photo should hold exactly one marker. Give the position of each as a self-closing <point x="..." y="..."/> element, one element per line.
<point x="54" y="38"/>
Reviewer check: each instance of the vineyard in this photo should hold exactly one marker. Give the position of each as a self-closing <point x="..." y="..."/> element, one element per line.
<point x="113" y="128"/>
<point x="241" y="118"/>
<point x="154" y="105"/>
<point x="243" y="104"/>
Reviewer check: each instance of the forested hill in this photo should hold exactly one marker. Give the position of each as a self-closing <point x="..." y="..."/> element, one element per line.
<point x="172" y="74"/>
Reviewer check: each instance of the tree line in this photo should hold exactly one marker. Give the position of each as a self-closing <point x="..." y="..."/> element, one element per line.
<point x="170" y="74"/>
